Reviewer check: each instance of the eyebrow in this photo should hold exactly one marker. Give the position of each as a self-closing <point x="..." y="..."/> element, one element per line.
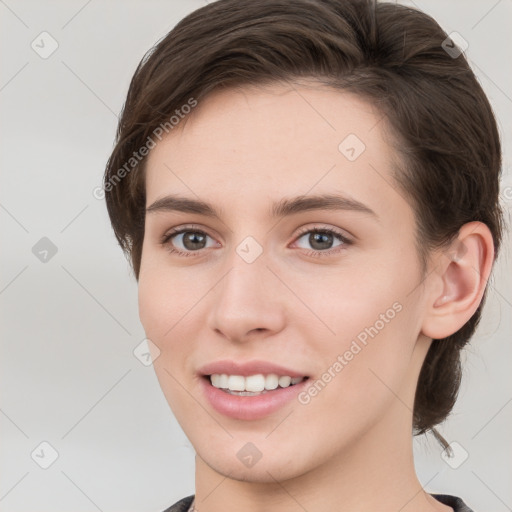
<point x="282" y="208"/>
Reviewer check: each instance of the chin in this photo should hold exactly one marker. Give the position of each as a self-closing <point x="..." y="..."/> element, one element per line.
<point x="258" y="462"/>
<point x="263" y="472"/>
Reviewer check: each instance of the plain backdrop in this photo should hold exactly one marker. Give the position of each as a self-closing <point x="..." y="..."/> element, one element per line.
<point x="74" y="397"/>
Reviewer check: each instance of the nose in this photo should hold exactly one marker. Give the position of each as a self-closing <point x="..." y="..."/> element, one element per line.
<point x="248" y="302"/>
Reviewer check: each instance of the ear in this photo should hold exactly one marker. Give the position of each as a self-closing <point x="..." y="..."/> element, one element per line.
<point x="458" y="281"/>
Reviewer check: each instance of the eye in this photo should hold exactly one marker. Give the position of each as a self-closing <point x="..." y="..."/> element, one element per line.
<point x="322" y="239"/>
<point x="186" y="241"/>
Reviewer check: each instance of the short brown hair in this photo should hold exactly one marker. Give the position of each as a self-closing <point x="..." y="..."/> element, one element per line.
<point x="391" y="55"/>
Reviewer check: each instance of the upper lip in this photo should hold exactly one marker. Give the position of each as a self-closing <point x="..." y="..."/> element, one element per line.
<point x="245" y="369"/>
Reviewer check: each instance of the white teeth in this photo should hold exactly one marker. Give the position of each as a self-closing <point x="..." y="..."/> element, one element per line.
<point x="236" y="383"/>
<point x="223" y="381"/>
<point x="256" y="384"/>
<point x="284" y="381"/>
<point x="271" y="381"/>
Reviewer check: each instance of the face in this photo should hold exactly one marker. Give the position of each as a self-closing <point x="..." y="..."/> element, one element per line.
<point x="270" y="287"/>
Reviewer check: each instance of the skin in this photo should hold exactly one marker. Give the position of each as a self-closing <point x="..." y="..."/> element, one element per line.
<point x="350" y="447"/>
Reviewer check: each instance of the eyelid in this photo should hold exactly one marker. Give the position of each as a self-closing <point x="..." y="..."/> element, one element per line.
<point x="346" y="240"/>
<point x="302" y="230"/>
<point x="185" y="227"/>
<point x="345" y="235"/>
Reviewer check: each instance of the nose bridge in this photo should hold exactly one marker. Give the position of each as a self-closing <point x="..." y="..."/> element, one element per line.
<point x="244" y="299"/>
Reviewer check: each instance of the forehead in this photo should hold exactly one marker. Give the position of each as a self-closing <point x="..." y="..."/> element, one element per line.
<point x="274" y="141"/>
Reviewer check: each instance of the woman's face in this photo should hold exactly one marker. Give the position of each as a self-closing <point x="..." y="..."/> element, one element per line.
<point x="255" y="292"/>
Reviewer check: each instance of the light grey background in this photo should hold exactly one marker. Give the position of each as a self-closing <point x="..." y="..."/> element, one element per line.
<point x="70" y="325"/>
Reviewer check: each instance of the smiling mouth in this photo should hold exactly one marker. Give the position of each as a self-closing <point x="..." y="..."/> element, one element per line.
<point x="252" y="385"/>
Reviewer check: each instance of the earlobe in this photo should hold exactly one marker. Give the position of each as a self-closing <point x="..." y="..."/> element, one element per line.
<point x="459" y="281"/>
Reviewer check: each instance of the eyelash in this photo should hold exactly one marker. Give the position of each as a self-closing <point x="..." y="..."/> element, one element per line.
<point x="166" y="241"/>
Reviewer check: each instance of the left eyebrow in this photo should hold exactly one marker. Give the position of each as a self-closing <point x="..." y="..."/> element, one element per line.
<point x="284" y="207"/>
<point x="303" y="203"/>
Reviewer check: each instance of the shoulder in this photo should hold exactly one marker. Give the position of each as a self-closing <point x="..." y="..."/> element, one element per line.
<point x="181" y="506"/>
<point x="452" y="501"/>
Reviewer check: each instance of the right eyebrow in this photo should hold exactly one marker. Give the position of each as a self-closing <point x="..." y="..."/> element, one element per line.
<point x="183" y="204"/>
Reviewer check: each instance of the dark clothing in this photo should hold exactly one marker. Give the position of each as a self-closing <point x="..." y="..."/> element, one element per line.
<point x="182" y="505"/>
<point x="456" y="503"/>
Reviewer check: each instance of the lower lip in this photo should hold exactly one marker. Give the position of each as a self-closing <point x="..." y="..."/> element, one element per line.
<point x="250" y="407"/>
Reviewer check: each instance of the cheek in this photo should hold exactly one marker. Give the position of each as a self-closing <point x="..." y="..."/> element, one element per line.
<point x="372" y="318"/>
<point x="154" y="306"/>
<point x="162" y="312"/>
<point x="356" y="302"/>
<point x="169" y="304"/>
<point x="164" y="300"/>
